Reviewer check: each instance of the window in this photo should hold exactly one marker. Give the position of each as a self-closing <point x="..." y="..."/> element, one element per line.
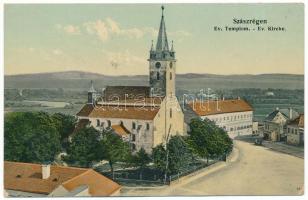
<point x="133" y="137"/>
<point x="157" y="76"/>
<point x="134" y="125"/>
<point x="170" y="65"/>
<point x="170" y="75"/>
<point x="121" y="123"/>
<point x="108" y="123"/>
<point x="133" y="147"/>
<point x="170" y="112"/>
<point x="289" y="130"/>
<point x="98" y="122"/>
<point x="148" y="126"/>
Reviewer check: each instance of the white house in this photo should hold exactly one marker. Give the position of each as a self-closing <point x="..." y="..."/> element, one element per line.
<point x="233" y="115"/>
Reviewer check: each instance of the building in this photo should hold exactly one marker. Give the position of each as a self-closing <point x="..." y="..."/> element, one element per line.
<point x="295" y="131"/>
<point x="146" y="116"/>
<point x="233" y="115"/>
<point x="35" y="180"/>
<point x="275" y="124"/>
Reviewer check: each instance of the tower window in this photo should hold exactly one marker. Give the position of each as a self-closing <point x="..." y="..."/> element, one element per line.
<point x="157" y="76"/>
<point x="170" y="112"/>
<point x="170" y="75"/>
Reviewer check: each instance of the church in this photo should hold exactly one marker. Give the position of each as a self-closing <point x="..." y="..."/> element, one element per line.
<point x="144" y="116"/>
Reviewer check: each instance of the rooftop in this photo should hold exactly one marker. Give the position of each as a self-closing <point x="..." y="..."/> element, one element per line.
<point x="27" y="177"/>
<point x="212" y="107"/>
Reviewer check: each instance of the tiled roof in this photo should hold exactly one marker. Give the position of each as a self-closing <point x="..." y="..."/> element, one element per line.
<point x="120" y="130"/>
<point x="126" y="92"/>
<point x="122" y="112"/>
<point x="299" y="121"/>
<point x="27" y="177"/>
<point x="222" y="106"/>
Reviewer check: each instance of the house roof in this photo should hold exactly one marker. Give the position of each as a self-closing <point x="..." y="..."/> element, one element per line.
<point x="284" y="112"/>
<point x="122" y="112"/>
<point x="27" y="177"/>
<point x="299" y="121"/>
<point x="120" y="130"/>
<point x="212" y="107"/>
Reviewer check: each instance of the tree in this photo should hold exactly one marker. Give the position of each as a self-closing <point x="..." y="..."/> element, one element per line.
<point x="208" y="140"/>
<point x="65" y="125"/>
<point x="179" y="154"/>
<point x="141" y="159"/>
<point x="159" y="155"/>
<point x="113" y="149"/>
<point x="84" y="148"/>
<point x="30" y="137"/>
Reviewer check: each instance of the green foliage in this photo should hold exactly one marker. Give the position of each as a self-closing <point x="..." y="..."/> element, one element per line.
<point x="65" y="125"/>
<point x="113" y="149"/>
<point x="141" y="159"/>
<point x="178" y="152"/>
<point x="84" y="148"/>
<point x="30" y="137"/>
<point x="208" y="140"/>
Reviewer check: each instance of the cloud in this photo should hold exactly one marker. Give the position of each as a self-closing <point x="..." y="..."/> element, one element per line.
<point x="123" y="58"/>
<point x="109" y="28"/>
<point x="69" y="29"/>
<point x="57" y="52"/>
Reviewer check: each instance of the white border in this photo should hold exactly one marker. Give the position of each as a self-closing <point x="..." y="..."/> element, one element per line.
<point x="144" y="1"/>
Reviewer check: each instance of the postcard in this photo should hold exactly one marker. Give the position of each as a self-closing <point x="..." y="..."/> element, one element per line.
<point x="153" y="100"/>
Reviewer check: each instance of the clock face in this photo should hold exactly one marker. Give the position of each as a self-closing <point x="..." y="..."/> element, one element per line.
<point x="157" y="65"/>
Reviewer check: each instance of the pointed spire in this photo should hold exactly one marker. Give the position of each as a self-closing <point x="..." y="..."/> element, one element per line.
<point x="152" y="46"/>
<point x="92" y="88"/>
<point x="172" y="50"/>
<point x="162" y="41"/>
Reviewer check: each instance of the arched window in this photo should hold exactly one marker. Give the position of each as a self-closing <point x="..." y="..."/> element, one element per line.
<point x="157" y="76"/>
<point x="170" y="112"/>
<point x="170" y="75"/>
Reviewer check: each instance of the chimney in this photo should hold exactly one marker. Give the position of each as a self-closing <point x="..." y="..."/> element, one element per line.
<point x="290" y="113"/>
<point x="45" y="171"/>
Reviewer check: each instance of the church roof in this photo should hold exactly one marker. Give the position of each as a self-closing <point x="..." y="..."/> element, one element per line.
<point x="125" y="92"/>
<point x="212" y="107"/>
<point x="162" y="41"/>
<point x="120" y="112"/>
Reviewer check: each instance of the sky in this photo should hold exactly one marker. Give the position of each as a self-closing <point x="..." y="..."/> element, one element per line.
<point x="116" y="39"/>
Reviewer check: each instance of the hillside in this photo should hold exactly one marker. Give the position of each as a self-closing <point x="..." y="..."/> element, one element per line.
<point x="77" y="80"/>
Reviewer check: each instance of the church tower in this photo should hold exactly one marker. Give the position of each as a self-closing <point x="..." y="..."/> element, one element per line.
<point x="162" y="64"/>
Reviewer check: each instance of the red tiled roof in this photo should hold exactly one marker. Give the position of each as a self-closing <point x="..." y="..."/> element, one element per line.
<point x="222" y="106"/>
<point x="299" y="121"/>
<point x="114" y="111"/>
<point x="27" y="177"/>
<point x="120" y="130"/>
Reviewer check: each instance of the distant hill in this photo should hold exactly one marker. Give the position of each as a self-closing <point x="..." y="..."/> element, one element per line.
<point x="80" y="80"/>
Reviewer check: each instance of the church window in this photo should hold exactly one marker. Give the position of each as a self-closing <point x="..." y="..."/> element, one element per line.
<point x="134" y="125"/>
<point x="148" y="126"/>
<point x="98" y="122"/>
<point x="157" y="65"/>
<point x="157" y="76"/>
<point x="109" y="123"/>
<point x="170" y="112"/>
<point x="170" y="75"/>
<point x="133" y="137"/>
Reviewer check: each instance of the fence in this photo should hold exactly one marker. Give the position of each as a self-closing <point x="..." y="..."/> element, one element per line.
<point x="153" y="177"/>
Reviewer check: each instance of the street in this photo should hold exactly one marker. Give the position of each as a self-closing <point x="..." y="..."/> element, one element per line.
<point x="257" y="171"/>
